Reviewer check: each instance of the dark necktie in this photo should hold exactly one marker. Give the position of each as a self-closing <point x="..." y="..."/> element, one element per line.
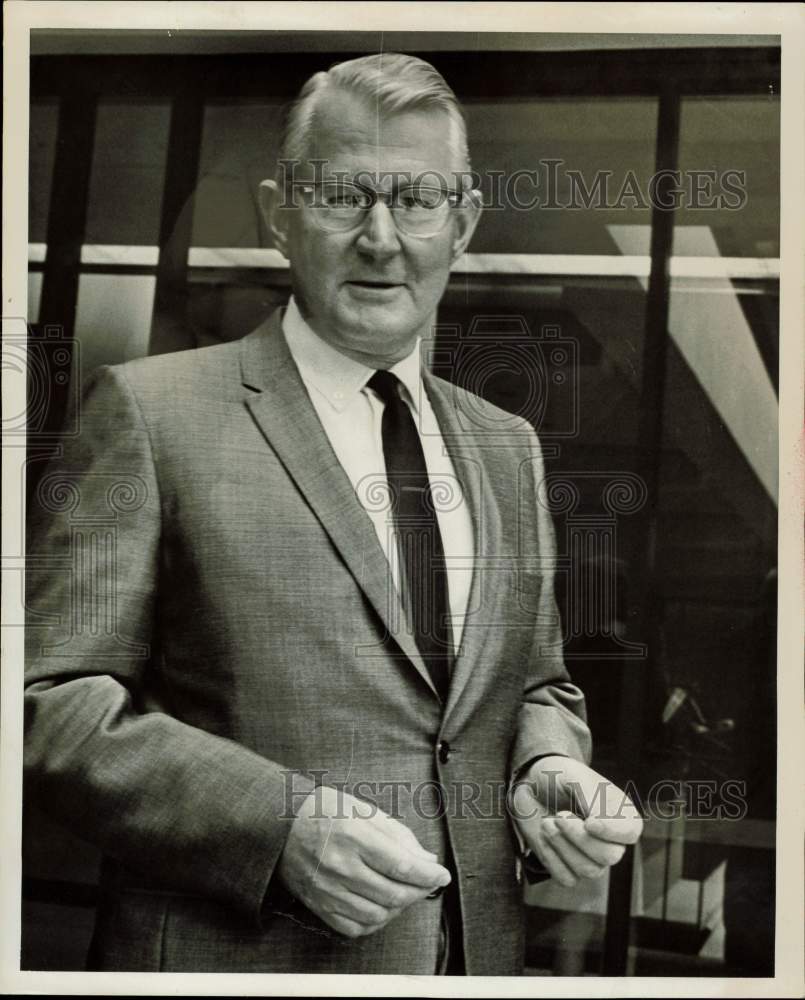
<point x="423" y="577"/>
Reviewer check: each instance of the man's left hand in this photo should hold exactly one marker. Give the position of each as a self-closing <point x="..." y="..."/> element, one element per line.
<point x="576" y="821"/>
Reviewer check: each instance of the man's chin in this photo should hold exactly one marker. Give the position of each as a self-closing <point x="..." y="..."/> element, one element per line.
<point x="377" y="330"/>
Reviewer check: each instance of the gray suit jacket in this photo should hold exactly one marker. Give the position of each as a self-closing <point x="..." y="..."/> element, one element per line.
<point x="212" y="631"/>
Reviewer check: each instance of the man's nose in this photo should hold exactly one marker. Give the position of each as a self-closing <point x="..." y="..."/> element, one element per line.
<point x="379" y="236"/>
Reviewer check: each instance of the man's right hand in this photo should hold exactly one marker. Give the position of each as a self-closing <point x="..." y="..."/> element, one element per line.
<point x="353" y="865"/>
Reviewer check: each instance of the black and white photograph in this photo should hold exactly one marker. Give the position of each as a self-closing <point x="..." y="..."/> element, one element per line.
<point x="402" y="499"/>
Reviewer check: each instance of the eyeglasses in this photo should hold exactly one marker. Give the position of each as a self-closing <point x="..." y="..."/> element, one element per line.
<point x="418" y="210"/>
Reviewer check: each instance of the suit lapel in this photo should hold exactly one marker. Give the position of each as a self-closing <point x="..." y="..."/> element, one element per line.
<point x="284" y="413"/>
<point x="465" y="449"/>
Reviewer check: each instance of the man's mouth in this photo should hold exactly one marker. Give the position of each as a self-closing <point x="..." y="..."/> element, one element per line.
<point x="372" y="283"/>
<point x="374" y="290"/>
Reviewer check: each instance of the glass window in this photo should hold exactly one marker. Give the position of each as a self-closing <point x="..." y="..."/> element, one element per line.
<point x="238" y="150"/>
<point x="729" y="148"/>
<point x="113" y="318"/>
<point x="714" y="679"/>
<point x="43" y="129"/>
<point x="602" y="152"/>
<point x="128" y="172"/>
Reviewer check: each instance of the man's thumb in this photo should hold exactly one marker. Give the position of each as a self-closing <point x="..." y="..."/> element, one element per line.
<point x="524" y="804"/>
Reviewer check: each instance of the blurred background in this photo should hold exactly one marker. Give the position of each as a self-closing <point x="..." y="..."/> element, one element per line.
<point x="647" y="340"/>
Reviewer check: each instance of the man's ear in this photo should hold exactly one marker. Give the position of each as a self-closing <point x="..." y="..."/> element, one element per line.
<point x="269" y="197"/>
<point x="467" y="218"/>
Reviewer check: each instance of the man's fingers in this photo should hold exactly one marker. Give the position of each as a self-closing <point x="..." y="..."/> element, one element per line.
<point x="349" y="928"/>
<point x="412" y="869"/>
<point x="618" y="821"/>
<point x="551" y="859"/>
<point x="615" y="829"/>
<point x="398" y="862"/>
<point x="404" y="835"/>
<point x="355" y="872"/>
<point x="600" y="852"/>
<point x="355" y="907"/>
<point x="385" y="891"/>
<point x="579" y="863"/>
<point x="611" y="814"/>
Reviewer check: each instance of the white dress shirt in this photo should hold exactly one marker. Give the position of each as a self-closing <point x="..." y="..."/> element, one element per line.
<point x="351" y="414"/>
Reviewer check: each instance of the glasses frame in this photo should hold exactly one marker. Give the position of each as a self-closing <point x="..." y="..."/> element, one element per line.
<point x="456" y="200"/>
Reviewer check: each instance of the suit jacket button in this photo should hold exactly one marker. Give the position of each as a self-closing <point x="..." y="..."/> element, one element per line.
<point x="444" y="752"/>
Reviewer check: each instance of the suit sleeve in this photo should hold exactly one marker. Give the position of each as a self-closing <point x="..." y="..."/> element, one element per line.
<point x="195" y="812"/>
<point x="552" y="717"/>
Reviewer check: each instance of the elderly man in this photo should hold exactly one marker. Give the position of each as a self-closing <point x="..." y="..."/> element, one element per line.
<point x="294" y="654"/>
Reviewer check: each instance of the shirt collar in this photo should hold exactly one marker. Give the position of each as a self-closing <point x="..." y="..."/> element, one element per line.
<point x="337" y="378"/>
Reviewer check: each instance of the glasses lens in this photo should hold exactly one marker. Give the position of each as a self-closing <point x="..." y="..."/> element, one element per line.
<point x="338" y="206"/>
<point x="421" y="211"/>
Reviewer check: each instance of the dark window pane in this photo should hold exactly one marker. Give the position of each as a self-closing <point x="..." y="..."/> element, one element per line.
<point x="738" y="138"/>
<point x="128" y="172"/>
<point x="43" y="128"/>
<point x="239" y="149"/>
<point x="598" y="141"/>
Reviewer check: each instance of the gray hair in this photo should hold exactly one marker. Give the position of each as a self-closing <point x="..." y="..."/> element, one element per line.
<point x="395" y="82"/>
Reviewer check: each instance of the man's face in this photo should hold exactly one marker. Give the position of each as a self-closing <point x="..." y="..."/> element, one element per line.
<point x="371" y="291"/>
